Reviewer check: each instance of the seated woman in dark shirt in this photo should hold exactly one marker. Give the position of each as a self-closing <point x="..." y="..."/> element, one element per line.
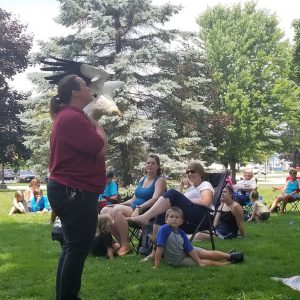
<point x="228" y="221"/>
<point x="104" y="244"/>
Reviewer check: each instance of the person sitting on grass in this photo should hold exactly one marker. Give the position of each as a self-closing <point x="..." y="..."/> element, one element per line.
<point x="290" y="192"/>
<point x="176" y="249"/>
<point x="228" y="221"/>
<point x="260" y="212"/>
<point x="19" y="204"/>
<point x="104" y="244"/>
<point x="28" y="194"/>
<point x="39" y="202"/>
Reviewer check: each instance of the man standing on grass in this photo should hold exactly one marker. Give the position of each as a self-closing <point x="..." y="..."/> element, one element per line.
<point x="77" y="176"/>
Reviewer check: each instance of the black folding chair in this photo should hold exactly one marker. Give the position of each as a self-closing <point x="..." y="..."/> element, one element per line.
<point x="134" y="236"/>
<point x="217" y="180"/>
<point x="139" y="238"/>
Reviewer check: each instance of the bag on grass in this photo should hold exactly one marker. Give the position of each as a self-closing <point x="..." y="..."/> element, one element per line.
<point x="145" y="244"/>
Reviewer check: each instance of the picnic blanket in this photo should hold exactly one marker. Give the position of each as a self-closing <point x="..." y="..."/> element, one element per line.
<point x="293" y="282"/>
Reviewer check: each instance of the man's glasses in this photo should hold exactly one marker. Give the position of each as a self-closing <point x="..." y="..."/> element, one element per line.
<point x="190" y="171"/>
<point x="293" y="173"/>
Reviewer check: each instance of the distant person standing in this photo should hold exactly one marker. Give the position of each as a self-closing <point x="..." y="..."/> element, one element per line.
<point x="78" y="147"/>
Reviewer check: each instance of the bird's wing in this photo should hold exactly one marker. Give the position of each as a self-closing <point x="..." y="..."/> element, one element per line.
<point x="109" y="87"/>
<point x="94" y="73"/>
<point x="65" y="67"/>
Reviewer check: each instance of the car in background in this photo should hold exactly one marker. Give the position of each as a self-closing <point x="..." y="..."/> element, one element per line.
<point x="25" y="176"/>
<point x="9" y="174"/>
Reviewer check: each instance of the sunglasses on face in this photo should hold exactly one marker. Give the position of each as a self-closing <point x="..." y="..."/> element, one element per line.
<point x="190" y="171"/>
<point x="293" y="173"/>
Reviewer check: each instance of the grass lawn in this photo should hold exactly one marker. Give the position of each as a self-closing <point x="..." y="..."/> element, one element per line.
<point x="28" y="260"/>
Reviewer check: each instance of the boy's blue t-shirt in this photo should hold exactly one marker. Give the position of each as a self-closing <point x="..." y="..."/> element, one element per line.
<point x="165" y="231"/>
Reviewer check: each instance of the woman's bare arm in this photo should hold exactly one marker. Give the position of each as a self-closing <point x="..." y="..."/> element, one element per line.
<point x="237" y="211"/>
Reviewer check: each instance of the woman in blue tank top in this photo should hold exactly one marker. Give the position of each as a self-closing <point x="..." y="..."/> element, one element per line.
<point x="290" y="192"/>
<point x="149" y="189"/>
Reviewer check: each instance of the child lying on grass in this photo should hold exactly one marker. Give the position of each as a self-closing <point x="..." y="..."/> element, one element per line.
<point x="177" y="250"/>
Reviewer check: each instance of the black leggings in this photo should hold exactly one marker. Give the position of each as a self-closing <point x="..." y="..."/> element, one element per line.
<point x="192" y="213"/>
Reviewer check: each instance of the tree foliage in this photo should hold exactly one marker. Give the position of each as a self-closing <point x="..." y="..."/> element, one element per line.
<point x="249" y="61"/>
<point x="296" y="53"/>
<point x="165" y="98"/>
<point x="14" y="45"/>
<point x="291" y="131"/>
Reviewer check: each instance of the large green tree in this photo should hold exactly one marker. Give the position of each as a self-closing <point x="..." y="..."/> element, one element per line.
<point x="164" y="103"/>
<point x="296" y="53"/>
<point x="249" y="60"/>
<point x="291" y="134"/>
<point x="15" y="45"/>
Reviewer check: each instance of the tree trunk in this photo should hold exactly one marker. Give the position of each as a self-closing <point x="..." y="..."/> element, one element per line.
<point x="233" y="170"/>
<point x="126" y="176"/>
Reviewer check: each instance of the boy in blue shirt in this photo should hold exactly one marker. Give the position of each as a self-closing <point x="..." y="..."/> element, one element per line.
<point x="110" y="194"/>
<point x="174" y="245"/>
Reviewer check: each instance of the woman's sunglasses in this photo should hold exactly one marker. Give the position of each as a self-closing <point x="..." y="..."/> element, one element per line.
<point x="190" y="171"/>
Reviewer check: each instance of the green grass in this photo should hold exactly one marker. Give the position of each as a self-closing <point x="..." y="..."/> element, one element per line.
<point x="28" y="259"/>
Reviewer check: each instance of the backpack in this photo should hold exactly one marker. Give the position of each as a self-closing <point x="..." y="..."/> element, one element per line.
<point x="145" y="243"/>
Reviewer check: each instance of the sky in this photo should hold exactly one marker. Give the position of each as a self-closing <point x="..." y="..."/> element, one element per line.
<point x="39" y="16"/>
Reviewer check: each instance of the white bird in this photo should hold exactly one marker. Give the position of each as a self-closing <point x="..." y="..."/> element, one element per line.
<point x="95" y="77"/>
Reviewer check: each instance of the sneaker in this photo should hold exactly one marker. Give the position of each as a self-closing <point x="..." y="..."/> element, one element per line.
<point x="236" y="257"/>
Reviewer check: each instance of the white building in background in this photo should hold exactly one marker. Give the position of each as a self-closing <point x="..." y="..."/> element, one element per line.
<point x="276" y="164"/>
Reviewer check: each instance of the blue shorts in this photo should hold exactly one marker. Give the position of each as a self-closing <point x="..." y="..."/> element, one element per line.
<point x="224" y="233"/>
<point x="294" y="196"/>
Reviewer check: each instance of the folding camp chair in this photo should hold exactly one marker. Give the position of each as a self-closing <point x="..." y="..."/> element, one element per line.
<point x="139" y="238"/>
<point x="291" y="206"/>
<point x="134" y="235"/>
<point x="217" y="180"/>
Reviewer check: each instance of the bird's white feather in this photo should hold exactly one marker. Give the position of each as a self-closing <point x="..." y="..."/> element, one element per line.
<point x="109" y="87"/>
<point x="93" y="72"/>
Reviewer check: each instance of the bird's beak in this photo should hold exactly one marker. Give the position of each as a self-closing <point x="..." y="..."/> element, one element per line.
<point x="117" y="113"/>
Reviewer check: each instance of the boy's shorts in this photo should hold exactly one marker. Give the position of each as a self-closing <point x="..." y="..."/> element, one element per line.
<point x="187" y="261"/>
